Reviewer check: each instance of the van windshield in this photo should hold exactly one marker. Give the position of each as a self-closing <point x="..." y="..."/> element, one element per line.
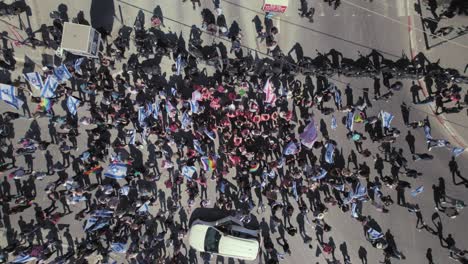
<point x="212" y="239"/>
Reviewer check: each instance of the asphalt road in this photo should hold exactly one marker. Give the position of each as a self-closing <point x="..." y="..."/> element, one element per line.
<point x="349" y="30"/>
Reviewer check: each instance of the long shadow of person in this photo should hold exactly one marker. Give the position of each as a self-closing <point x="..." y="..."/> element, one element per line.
<point x="453" y="166"/>
<point x="102" y="16"/>
<point x="344" y="252"/>
<point x="362" y="253"/>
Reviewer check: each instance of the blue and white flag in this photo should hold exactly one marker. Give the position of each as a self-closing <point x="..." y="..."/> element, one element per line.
<point x="309" y="135"/>
<point x="374" y="234"/>
<point x="197" y="147"/>
<point x="62" y="74"/>
<point x="194" y="106"/>
<point x="360" y="191"/>
<point x="294" y="190"/>
<point x="23" y="258"/>
<point x="290" y="149"/>
<point x="119" y="247"/>
<point x="144" y="208"/>
<point x="386" y="118"/>
<point x="132" y="137"/>
<point x="50" y="85"/>
<point x="72" y="105"/>
<point x="188" y="171"/>
<point x="7" y="94"/>
<point x="149" y="109"/>
<point x="427" y="132"/>
<point x="329" y="153"/>
<point x="103" y="213"/>
<point x="354" y="212"/>
<point x="35" y="79"/>
<point x="179" y="64"/>
<point x="320" y="175"/>
<point x="93" y="224"/>
<point x="457" y="151"/>
<point x="334" y="125"/>
<point x="77" y="65"/>
<point x="142" y="116"/>
<point x="417" y="191"/>
<point x="156" y="108"/>
<point x="116" y="171"/>
<point x="124" y="190"/>
<point x="186" y="120"/>
<point x="210" y="134"/>
<point x="350" y="120"/>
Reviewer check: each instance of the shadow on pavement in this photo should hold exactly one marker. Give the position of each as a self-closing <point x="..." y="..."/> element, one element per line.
<point x="102" y="16"/>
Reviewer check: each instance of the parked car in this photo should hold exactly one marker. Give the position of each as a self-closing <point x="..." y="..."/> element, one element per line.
<point x="226" y="237"/>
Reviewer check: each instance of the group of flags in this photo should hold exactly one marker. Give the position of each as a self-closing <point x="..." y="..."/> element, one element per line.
<point x="46" y="89"/>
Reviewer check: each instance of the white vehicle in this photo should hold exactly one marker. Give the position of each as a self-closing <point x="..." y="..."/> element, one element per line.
<point x="226" y="237"/>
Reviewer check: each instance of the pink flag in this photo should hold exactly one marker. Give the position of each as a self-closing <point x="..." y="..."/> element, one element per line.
<point x="270" y="96"/>
<point x="309" y="135"/>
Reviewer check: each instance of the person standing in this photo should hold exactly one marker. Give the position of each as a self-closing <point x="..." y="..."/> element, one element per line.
<point x="436" y="195"/>
<point x="410" y="139"/>
<point x="429" y="256"/>
<point x="439" y="104"/>
<point x="415" y="93"/>
<point x="405" y="112"/>
<point x="420" y="224"/>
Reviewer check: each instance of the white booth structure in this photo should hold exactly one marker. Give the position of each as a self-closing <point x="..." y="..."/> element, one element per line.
<point x="80" y="40"/>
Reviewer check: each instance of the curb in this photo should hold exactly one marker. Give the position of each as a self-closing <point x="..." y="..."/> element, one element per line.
<point x="449" y="129"/>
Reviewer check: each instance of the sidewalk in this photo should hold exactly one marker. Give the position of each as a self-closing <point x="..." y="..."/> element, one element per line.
<point x="449" y="46"/>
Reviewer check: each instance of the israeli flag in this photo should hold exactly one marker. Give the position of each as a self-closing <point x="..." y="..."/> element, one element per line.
<point x="197" y="147"/>
<point x="116" y="171"/>
<point x="457" y="151"/>
<point x="210" y="134"/>
<point x="427" y="132"/>
<point x="294" y="190"/>
<point x="329" y="153"/>
<point x="35" y="79"/>
<point x="124" y="190"/>
<point x="417" y="191"/>
<point x="132" y="137"/>
<point x="186" y="120"/>
<point x="62" y="74"/>
<point x="290" y="149"/>
<point x="374" y="234"/>
<point x="50" y="85"/>
<point x="79" y="198"/>
<point x="119" y="247"/>
<point x="72" y="105"/>
<point x="142" y="116"/>
<point x="188" y="171"/>
<point x="386" y="119"/>
<point x="354" y="212"/>
<point x="334" y="125"/>
<point x="156" y="109"/>
<point x="179" y="63"/>
<point x="7" y="94"/>
<point x="320" y="175"/>
<point x="23" y="258"/>
<point x="360" y="191"/>
<point x="144" y="208"/>
<point x="77" y="65"/>
<point x="149" y="109"/>
<point x="350" y="121"/>
<point x="337" y="96"/>
<point x="103" y="213"/>
<point x="194" y="106"/>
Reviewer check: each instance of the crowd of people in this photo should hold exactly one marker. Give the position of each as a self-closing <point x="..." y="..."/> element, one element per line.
<point x="157" y="140"/>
